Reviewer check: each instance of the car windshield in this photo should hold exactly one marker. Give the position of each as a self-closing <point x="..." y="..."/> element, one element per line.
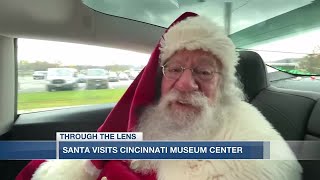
<point x="96" y="72"/>
<point x="275" y="29"/>
<point x="59" y="72"/>
<point x="113" y="74"/>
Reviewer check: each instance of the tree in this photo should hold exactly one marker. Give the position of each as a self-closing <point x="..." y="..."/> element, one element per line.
<point x="311" y="62"/>
<point x="118" y="67"/>
<point x="36" y="66"/>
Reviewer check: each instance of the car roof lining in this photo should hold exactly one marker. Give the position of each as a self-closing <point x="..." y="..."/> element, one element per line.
<point x="72" y="21"/>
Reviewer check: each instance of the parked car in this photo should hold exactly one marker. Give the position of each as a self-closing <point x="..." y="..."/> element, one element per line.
<point x="123" y="76"/>
<point x="81" y="78"/>
<point x="39" y="75"/>
<point x="134" y="74"/>
<point x="113" y="77"/>
<point x="96" y="78"/>
<point x="62" y="78"/>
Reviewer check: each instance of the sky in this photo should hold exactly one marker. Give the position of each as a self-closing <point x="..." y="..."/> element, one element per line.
<point x="297" y="46"/>
<point x="163" y="12"/>
<point x="77" y="54"/>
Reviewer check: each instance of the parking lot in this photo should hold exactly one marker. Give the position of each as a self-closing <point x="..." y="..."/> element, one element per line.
<point x="28" y="84"/>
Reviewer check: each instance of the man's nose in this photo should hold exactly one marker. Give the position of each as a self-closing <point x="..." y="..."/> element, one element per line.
<point x="186" y="82"/>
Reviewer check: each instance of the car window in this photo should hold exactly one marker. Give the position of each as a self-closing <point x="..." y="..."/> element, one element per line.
<point x="112" y="74"/>
<point x="58" y="74"/>
<point x="293" y="62"/>
<point x="96" y="72"/>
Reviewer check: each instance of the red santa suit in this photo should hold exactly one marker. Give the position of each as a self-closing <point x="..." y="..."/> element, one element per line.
<point x="241" y="122"/>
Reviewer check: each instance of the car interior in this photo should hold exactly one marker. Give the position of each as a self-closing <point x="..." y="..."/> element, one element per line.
<point x="294" y="113"/>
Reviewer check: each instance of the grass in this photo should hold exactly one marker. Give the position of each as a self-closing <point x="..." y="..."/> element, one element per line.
<point x="39" y="100"/>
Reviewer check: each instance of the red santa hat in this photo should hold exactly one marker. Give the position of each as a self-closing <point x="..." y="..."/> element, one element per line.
<point x="190" y="32"/>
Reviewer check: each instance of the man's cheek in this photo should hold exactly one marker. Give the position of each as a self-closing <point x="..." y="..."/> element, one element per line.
<point x="163" y="87"/>
<point x="166" y="87"/>
<point x="216" y="86"/>
<point x="211" y="93"/>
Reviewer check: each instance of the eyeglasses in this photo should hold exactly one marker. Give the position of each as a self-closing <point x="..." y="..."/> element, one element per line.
<point x="174" y="72"/>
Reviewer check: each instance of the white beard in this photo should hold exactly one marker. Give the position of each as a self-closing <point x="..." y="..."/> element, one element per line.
<point x="159" y="122"/>
<point x="221" y="121"/>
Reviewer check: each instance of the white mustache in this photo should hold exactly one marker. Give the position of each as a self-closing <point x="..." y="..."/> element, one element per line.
<point x="197" y="99"/>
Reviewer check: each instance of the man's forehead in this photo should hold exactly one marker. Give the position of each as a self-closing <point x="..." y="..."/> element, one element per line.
<point x="198" y="56"/>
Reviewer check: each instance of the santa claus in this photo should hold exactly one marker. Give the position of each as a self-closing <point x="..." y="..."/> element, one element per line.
<point x="187" y="91"/>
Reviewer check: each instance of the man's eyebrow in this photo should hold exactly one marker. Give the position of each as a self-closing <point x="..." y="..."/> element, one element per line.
<point x="208" y="60"/>
<point x="175" y="60"/>
<point x="203" y="59"/>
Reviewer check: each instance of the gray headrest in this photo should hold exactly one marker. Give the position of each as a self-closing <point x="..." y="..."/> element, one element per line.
<point x="252" y="73"/>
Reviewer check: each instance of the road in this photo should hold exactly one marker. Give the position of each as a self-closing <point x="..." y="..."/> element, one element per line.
<point x="27" y="84"/>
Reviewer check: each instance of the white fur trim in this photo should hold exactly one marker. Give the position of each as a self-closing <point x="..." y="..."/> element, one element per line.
<point x="228" y="170"/>
<point x="91" y="169"/>
<point x="242" y="121"/>
<point x="62" y="170"/>
<point x="198" y="33"/>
